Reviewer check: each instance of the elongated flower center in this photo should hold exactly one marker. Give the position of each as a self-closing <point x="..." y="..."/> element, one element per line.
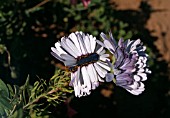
<point x="84" y="60"/>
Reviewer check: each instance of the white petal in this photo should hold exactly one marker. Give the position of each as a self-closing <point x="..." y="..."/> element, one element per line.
<point x="55" y="51"/>
<point x="58" y="47"/>
<point x="100" y="70"/>
<point x="128" y="42"/>
<point x="79" y="32"/>
<point x="95" y="85"/>
<point x="104" y="57"/>
<point x="82" y="39"/>
<point x="99" y="78"/>
<point x="141" y="85"/>
<point x="75" y="40"/>
<point x="68" y="49"/>
<point x="73" y="47"/>
<point x="102" y="52"/>
<point x="67" y="57"/>
<point x="94" y="72"/>
<point x="108" y="45"/>
<point x="141" y="65"/>
<point x="87" y="44"/>
<point x="56" y="56"/>
<point x="134" y="85"/>
<point x="86" y="77"/>
<point x="80" y="76"/>
<point x="143" y="75"/>
<point x="92" y="42"/>
<point x="138" y="90"/>
<point x="82" y="45"/>
<point x="100" y="43"/>
<point x="141" y="70"/>
<point x="135" y="92"/>
<point x="77" y="89"/>
<point x="113" y="40"/>
<point x="69" y="63"/>
<point x="91" y="73"/>
<point x="104" y="65"/>
<point x="99" y="50"/>
<point x="148" y="71"/>
<point x="73" y="79"/>
<point x="137" y="78"/>
<point x="135" y="43"/>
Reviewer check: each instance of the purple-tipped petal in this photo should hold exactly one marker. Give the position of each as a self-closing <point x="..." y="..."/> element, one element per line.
<point x="109" y="77"/>
<point x="130" y="66"/>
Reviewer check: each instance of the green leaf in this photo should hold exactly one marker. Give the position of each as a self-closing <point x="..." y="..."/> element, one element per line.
<point x="3" y="89"/>
<point x="122" y="32"/>
<point x="3" y="114"/>
<point x="2" y="48"/>
<point x="96" y="1"/>
<point x="11" y="92"/>
<point x="78" y="17"/>
<point x="17" y="114"/>
<point x="5" y="102"/>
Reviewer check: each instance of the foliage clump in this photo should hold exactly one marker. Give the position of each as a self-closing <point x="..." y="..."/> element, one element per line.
<point x="33" y="100"/>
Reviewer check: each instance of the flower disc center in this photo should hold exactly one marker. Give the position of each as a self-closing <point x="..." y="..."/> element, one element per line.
<point x="84" y="60"/>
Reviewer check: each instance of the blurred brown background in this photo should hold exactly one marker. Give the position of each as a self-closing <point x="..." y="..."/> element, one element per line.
<point x="158" y="22"/>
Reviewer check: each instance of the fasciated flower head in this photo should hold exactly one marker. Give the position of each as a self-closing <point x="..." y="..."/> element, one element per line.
<point x="130" y="66"/>
<point x="85" y="59"/>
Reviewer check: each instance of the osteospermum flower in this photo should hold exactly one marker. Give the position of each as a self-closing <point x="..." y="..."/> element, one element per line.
<point x="130" y="66"/>
<point x="85" y="59"/>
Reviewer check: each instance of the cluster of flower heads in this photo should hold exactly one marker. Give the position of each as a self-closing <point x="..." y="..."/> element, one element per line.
<point x="87" y="60"/>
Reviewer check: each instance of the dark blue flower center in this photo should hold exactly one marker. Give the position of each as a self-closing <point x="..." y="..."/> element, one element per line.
<point x="84" y="60"/>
